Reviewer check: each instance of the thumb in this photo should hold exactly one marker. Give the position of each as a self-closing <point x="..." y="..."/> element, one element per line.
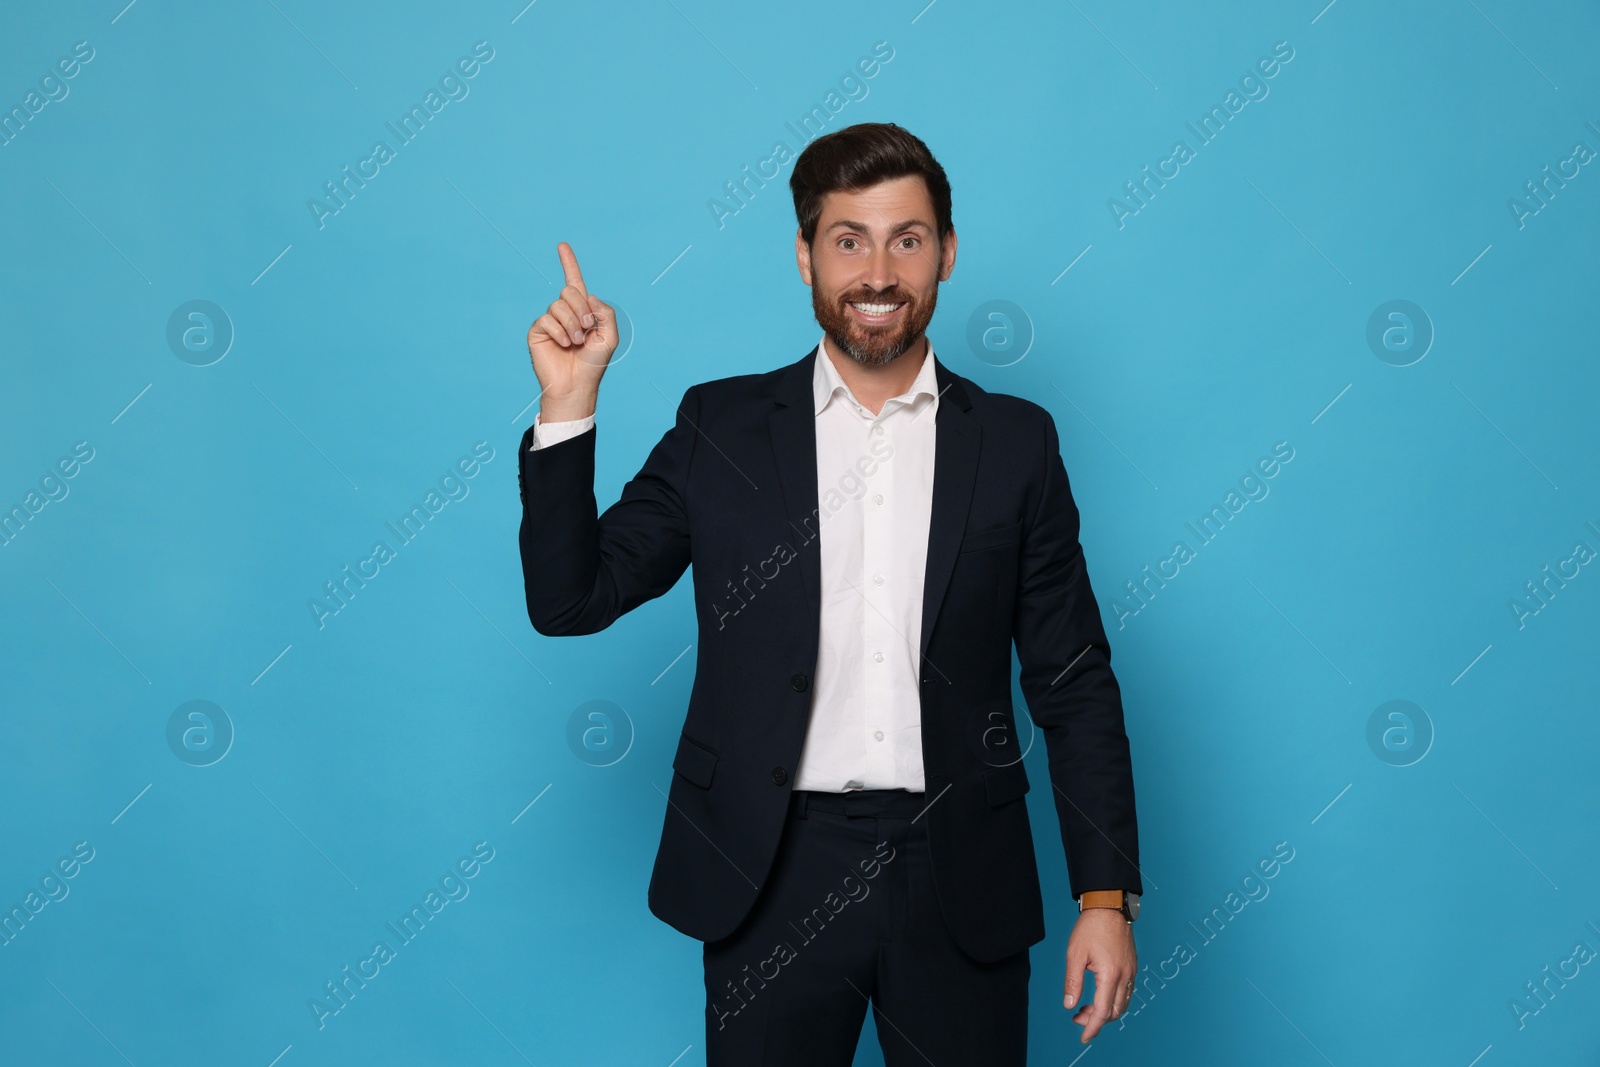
<point x="1074" y="980"/>
<point x="605" y="320"/>
<point x="600" y="341"/>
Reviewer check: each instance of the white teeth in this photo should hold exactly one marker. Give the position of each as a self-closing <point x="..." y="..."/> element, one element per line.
<point x="874" y="309"/>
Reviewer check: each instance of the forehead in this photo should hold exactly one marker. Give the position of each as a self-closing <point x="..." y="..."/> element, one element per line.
<point x="882" y="206"/>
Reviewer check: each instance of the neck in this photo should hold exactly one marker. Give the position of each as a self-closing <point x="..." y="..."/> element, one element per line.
<point x="873" y="385"/>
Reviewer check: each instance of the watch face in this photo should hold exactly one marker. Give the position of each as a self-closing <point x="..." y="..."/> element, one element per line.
<point x="1131" y="901"/>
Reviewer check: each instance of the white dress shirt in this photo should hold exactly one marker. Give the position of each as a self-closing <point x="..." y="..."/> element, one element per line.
<point x="866" y="711"/>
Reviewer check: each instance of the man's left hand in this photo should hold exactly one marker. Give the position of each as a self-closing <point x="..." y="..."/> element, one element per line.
<point x="1102" y="941"/>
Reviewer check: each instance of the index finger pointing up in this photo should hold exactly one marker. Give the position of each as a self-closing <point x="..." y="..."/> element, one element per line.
<point x="569" y="266"/>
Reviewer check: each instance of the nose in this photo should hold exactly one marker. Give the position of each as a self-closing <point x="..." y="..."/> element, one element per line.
<point x="880" y="274"/>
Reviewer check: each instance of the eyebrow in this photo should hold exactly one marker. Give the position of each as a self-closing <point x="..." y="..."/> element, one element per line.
<point x="899" y="227"/>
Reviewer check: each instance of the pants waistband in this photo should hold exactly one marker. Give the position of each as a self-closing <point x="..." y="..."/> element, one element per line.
<point x="861" y="803"/>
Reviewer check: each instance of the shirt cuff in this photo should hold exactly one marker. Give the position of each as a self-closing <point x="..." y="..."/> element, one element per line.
<point x="549" y="433"/>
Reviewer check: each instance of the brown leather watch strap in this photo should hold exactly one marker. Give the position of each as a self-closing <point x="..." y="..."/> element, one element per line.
<point x="1101" y="898"/>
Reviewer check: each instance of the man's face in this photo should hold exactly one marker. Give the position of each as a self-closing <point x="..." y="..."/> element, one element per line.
<point x="875" y="267"/>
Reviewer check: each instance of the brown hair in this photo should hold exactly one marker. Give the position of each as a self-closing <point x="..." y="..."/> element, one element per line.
<point x="860" y="156"/>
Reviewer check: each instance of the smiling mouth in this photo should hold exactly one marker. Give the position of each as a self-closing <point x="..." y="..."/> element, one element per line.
<point x="875" y="313"/>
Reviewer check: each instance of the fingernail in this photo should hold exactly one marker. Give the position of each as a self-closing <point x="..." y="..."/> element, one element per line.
<point x="1068" y="1001"/>
<point x="588" y="320"/>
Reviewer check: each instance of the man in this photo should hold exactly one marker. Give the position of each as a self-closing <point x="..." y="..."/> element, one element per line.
<point x="870" y="532"/>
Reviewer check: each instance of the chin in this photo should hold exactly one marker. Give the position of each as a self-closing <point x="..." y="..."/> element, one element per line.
<point x="872" y="352"/>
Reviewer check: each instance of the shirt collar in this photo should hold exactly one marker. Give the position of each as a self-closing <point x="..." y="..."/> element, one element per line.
<point x="825" y="380"/>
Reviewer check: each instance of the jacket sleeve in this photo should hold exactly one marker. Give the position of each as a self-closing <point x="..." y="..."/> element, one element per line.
<point x="1072" y="695"/>
<point x="582" y="572"/>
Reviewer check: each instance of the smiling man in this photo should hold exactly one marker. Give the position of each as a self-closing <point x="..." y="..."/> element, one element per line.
<point x="870" y="535"/>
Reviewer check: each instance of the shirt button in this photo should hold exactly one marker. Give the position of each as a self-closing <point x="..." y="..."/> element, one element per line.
<point x="799" y="683"/>
<point x="878" y="430"/>
<point x="878" y="656"/>
<point x="877" y="498"/>
<point x="877" y="579"/>
<point x="878" y="734"/>
<point x="779" y="776"/>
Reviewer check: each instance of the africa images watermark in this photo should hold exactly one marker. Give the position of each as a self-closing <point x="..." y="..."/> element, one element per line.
<point x="452" y="84"/>
<point x="453" y="485"/>
<point x="340" y="991"/>
<point x="738" y="191"/>
<point x="1537" y="595"/>
<point x="855" y="890"/>
<point x="1138" y="193"/>
<point x="53" y="89"/>
<point x="1253" y="485"/>
<point x="1255" y="889"/>
<point x="852" y="485"/>
<point x="53" y="889"/>
<point x="1538" y="194"/>
<point x="1539" y="996"/>
<point x="53" y="487"/>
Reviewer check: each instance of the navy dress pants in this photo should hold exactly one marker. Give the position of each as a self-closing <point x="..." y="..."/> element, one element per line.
<point x="849" y="917"/>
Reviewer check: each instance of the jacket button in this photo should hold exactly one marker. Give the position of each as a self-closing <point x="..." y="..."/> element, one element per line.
<point x="799" y="682"/>
<point x="779" y="776"/>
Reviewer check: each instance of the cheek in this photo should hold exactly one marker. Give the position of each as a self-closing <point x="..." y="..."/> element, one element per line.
<point x="925" y="300"/>
<point x="824" y="282"/>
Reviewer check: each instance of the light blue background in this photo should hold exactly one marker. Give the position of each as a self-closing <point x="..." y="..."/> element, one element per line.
<point x="370" y="354"/>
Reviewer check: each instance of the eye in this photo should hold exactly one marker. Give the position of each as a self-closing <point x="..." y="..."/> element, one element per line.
<point x="914" y="241"/>
<point x="846" y="240"/>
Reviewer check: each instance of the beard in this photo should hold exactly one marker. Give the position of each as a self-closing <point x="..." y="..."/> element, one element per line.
<point x="874" y="346"/>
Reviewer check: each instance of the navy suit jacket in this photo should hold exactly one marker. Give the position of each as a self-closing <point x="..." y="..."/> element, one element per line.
<point x="732" y="489"/>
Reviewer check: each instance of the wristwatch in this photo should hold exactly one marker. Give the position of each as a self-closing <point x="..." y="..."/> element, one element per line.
<point x="1123" y="901"/>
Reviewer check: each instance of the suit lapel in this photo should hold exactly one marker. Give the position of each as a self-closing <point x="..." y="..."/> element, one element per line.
<point x="793" y="429"/>
<point x="957" y="436"/>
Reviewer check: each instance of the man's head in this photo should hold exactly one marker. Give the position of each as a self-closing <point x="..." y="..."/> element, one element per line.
<point x="874" y="212"/>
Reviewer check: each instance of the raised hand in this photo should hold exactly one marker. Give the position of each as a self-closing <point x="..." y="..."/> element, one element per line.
<point x="571" y="346"/>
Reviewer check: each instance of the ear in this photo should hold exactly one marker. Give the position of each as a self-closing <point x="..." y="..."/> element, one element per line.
<point x="802" y="256"/>
<point x="947" y="255"/>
